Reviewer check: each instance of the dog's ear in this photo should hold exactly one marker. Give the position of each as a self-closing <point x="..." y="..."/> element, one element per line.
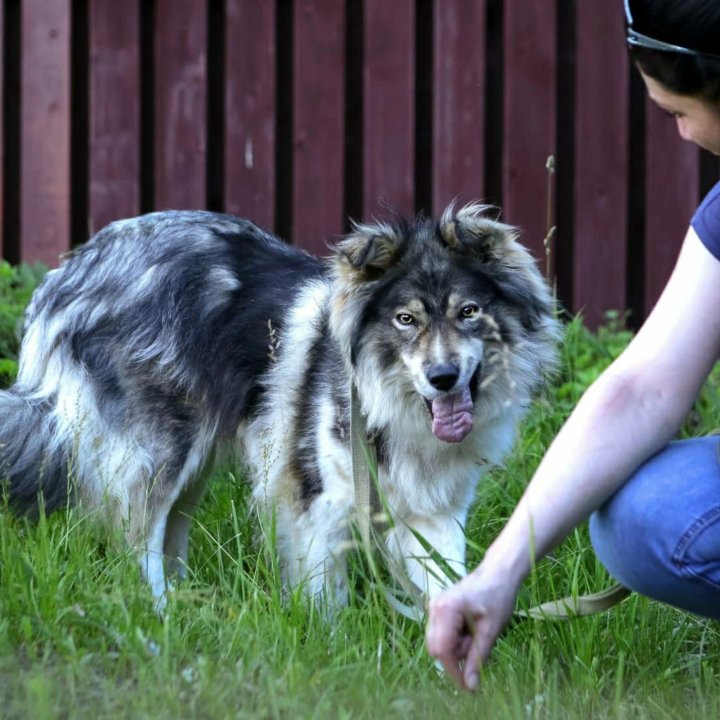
<point x="470" y="230"/>
<point x="368" y="251"/>
<point x="511" y="267"/>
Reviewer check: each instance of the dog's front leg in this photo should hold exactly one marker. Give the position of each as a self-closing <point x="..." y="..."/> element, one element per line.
<point x="445" y="534"/>
<point x="314" y="544"/>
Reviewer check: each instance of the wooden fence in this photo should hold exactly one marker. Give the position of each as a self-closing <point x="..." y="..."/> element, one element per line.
<point x="301" y="113"/>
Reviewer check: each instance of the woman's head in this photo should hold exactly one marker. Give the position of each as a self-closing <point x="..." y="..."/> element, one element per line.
<point x="693" y="28"/>
<point x="698" y="120"/>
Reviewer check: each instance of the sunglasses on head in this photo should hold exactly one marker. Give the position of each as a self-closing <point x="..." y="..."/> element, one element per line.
<point x="636" y="39"/>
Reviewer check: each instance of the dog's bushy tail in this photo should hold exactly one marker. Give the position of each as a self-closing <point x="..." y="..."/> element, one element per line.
<point x="33" y="462"/>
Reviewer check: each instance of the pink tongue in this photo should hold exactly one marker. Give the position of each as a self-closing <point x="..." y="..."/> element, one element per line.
<point x="452" y="416"/>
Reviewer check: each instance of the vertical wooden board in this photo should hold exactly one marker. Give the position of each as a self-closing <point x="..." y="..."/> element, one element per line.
<point x="2" y="129"/>
<point x="180" y="103"/>
<point x="114" y="166"/>
<point x="318" y="122"/>
<point x="601" y="161"/>
<point x="250" y="66"/>
<point x="529" y="115"/>
<point x="389" y="107"/>
<point x="671" y="196"/>
<point x="458" y="101"/>
<point x="45" y="130"/>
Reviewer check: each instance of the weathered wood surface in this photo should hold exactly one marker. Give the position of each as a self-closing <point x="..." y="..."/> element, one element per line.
<point x="299" y="114"/>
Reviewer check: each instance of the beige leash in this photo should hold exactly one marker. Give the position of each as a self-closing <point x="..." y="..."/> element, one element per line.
<point x="572" y="606"/>
<point x="364" y="457"/>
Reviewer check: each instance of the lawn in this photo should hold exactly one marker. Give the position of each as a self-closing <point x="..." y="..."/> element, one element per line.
<point x="79" y="637"/>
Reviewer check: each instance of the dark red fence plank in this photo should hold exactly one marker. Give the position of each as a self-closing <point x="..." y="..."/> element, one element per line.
<point x="318" y="123"/>
<point x="45" y="130"/>
<point x="389" y="107"/>
<point x="601" y="161"/>
<point x="2" y="130"/>
<point x="250" y="65"/>
<point x="114" y="143"/>
<point x="529" y="115"/>
<point x="671" y="195"/>
<point x="458" y="102"/>
<point x="180" y="103"/>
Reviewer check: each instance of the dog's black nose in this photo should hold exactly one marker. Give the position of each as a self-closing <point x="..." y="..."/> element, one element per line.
<point x="443" y="377"/>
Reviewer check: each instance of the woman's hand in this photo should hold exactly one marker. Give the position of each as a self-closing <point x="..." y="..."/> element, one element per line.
<point x="465" y="621"/>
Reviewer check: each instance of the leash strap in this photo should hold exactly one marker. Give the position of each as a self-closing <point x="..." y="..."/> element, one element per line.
<point x="364" y="457"/>
<point x="572" y="607"/>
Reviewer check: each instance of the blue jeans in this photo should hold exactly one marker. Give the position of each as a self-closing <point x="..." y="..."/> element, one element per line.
<point x="660" y="533"/>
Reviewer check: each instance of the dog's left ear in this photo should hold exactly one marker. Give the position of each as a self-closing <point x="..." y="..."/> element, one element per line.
<point x="470" y="230"/>
<point x="512" y="268"/>
<point x="368" y="251"/>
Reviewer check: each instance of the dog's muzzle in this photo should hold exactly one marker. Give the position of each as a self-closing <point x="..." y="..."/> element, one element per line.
<point x="452" y="412"/>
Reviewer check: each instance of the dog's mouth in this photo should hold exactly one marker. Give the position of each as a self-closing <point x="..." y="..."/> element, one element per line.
<point x="452" y="414"/>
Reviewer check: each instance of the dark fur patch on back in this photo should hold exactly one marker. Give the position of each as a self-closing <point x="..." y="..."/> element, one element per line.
<point x="182" y="332"/>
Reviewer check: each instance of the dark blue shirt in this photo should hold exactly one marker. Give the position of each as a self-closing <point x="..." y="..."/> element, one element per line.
<point x="706" y="221"/>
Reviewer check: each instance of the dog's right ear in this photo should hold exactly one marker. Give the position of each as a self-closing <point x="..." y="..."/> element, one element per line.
<point x="470" y="230"/>
<point x="367" y="252"/>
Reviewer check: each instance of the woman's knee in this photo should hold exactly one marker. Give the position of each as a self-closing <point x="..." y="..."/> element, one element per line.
<point x="660" y="533"/>
<point x="629" y="541"/>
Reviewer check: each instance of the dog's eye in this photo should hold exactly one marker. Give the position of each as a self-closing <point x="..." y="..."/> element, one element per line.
<point x="405" y="319"/>
<point x="469" y="311"/>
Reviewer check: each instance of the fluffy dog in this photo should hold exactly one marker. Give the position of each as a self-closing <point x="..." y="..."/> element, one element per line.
<point x="171" y="336"/>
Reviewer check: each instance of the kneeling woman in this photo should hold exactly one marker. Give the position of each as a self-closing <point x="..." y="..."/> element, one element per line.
<point x="655" y="503"/>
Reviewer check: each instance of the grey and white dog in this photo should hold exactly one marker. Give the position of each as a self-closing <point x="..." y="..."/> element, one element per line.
<point x="169" y="337"/>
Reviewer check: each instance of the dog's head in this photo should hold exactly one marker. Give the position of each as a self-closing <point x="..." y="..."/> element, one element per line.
<point x="437" y="311"/>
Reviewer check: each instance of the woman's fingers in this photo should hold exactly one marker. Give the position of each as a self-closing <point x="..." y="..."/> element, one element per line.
<point x="445" y="637"/>
<point x="449" y="637"/>
<point x="478" y="652"/>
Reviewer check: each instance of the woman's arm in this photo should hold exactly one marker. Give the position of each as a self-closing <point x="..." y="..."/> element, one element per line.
<point x="629" y="413"/>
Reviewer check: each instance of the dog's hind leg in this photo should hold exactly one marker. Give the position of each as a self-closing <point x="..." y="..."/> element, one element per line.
<point x="150" y="517"/>
<point x="177" y="529"/>
<point x="147" y="518"/>
<point x="170" y="504"/>
<point x="152" y="559"/>
<point x="192" y="478"/>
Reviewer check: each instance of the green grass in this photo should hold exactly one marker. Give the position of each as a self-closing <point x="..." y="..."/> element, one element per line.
<point x="79" y="638"/>
<point x="16" y="286"/>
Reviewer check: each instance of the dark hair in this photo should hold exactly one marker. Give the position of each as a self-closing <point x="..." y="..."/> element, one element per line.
<point x="694" y="24"/>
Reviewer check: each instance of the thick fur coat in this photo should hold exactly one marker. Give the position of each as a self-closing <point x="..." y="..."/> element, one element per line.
<point x="172" y="337"/>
